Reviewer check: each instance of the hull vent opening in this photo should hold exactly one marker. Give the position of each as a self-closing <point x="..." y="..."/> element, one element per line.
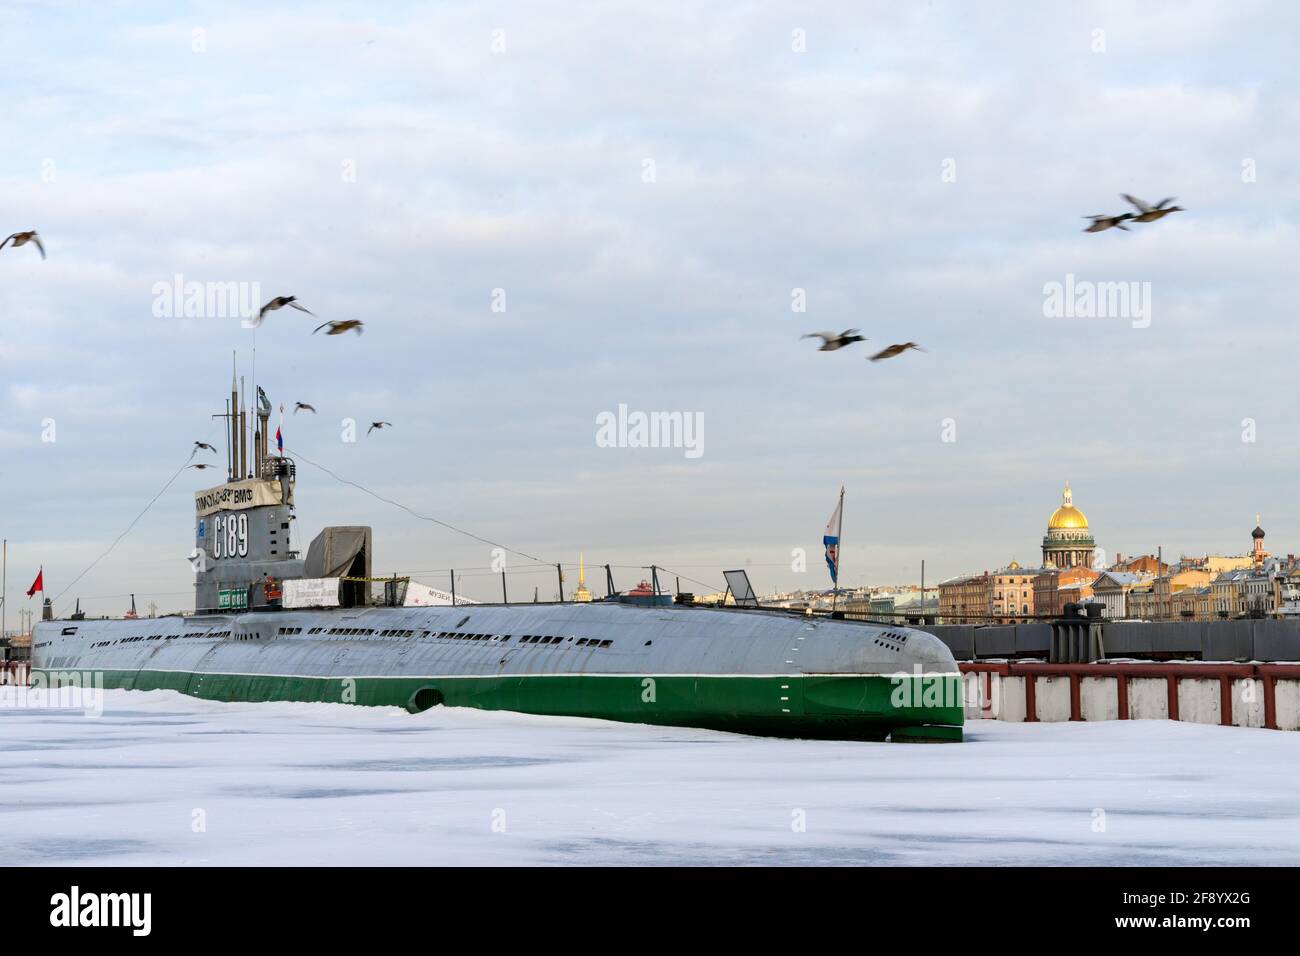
<point x="423" y="699"/>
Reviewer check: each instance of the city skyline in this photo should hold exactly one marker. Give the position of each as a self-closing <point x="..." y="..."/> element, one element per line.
<point x="485" y="582"/>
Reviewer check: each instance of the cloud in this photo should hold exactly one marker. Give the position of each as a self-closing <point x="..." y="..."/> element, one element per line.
<point x="524" y="171"/>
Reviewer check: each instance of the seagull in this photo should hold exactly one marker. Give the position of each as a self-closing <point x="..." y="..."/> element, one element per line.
<point x="204" y="446"/>
<point x="199" y="465"/>
<point x="22" y="238"/>
<point x="1102" y="223"/>
<point x="1151" y="213"/>
<point x="831" y="341"/>
<point x="374" y="425"/>
<point x="338" y="328"/>
<point x="279" y="302"/>
<point x="895" y="350"/>
<point x="303" y="407"/>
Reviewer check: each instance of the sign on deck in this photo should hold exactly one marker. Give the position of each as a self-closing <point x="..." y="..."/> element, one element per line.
<point x="311" y="592"/>
<point x="232" y="599"/>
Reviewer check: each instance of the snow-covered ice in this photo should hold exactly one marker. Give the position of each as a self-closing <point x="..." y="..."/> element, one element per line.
<point x="161" y="778"/>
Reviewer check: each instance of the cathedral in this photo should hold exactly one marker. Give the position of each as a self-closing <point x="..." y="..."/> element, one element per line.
<point x="1068" y="543"/>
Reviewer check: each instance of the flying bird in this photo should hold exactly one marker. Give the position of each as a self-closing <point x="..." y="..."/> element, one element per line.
<point x="1102" y="223"/>
<point x="199" y="465"/>
<point x="374" y="425"/>
<point x="338" y="328"/>
<point x="831" y="341"/>
<point x="22" y="238"/>
<point x="895" y="350"/>
<point x="279" y="302"/>
<point x="303" y="407"/>
<point x="204" y="446"/>
<point x="1151" y="213"/>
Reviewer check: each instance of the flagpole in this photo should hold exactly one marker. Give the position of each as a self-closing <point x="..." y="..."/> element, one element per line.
<point x="255" y="401"/>
<point x="839" y="554"/>
<point x="4" y="586"/>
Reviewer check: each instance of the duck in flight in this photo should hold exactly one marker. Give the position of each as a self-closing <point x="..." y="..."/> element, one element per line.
<point x="338" y="328"/>
<point x="22" y="238"/>
<point x="1148" y="213"/>
<point x="1102" y="223"/>
<point x="279" y="302"/>
<point x="895" y="350"/>
<point x="831" y="342"/>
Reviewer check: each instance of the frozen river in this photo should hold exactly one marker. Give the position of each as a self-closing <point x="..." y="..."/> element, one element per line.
<point x="160" y="778"/>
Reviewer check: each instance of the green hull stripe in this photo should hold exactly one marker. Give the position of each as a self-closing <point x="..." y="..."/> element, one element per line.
<point x="850" y="706"/>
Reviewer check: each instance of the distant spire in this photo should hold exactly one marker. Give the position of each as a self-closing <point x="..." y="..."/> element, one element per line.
<point x="580" y="593"/>
<point x="1067" y="499"/>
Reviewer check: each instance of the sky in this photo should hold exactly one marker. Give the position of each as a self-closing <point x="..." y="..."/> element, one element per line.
<point x="545" y="211"/>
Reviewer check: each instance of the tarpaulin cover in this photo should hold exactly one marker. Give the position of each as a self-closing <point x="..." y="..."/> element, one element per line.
<point x="333" y="553"/>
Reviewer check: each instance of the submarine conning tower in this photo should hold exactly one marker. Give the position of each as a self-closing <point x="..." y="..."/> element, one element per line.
<point x="243" y="528"/>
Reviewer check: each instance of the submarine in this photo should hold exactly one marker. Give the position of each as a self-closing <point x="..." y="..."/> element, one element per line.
<point x="271" y="624"/>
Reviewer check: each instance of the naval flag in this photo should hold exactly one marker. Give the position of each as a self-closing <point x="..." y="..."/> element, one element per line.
<point x="832" y="540"/>
<point x="279" y="438"/>
<point x="38" y="584"/>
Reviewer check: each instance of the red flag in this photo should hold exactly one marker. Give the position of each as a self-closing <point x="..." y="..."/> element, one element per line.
<point x="38" y="584"/>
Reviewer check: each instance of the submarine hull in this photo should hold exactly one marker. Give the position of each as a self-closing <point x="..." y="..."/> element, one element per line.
<point x="743" y="671"/>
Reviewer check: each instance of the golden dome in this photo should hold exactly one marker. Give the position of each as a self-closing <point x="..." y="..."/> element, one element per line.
<point x="1067" y="516"/>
